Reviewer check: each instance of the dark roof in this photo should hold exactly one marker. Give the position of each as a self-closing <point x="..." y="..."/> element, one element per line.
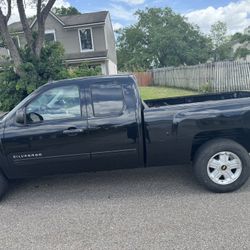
<point x="86" y="55"/>
<point x="85" y="18"/>
<point x="17" y="26"/>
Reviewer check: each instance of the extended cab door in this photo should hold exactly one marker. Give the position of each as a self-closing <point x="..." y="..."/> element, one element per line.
<point x="53" y="138"/>
<point x="113" y="124"/>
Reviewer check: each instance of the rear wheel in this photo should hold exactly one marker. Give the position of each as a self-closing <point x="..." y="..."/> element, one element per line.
<point x="3" y="185"/>
<point x="222" y="165"/>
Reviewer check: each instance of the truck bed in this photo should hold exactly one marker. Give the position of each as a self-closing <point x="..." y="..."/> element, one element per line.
<point x="196" y="98"/>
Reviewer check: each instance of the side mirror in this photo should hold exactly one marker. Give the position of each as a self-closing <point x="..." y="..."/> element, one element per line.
<point x="20" y="116"/>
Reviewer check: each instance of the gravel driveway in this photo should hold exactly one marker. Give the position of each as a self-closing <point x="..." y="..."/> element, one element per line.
<point x="157" y="208"/>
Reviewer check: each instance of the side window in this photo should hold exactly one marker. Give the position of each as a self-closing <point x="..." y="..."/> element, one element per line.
<point x="85" y="38"/>
<point x="107" y="99"/>
<point x="53" y="104"/>
<point x="50" y="36"/>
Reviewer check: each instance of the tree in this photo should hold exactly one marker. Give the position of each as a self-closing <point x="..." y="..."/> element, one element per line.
<point x="34" y="41"/>
<point x="161" y="38"/>
<point x="241" y="53"/>
<point x="218" y="33"/>
<point x="240" y="38"/>
<point x="36" y="72"/>
<point x="66" y="11"/>
<point x="243" y="43"/>
<point x="34" y="64"/>
<point x="221" y="45"/>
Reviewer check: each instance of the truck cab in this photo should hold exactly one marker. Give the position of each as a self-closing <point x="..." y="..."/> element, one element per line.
<point x="75" y="125"/>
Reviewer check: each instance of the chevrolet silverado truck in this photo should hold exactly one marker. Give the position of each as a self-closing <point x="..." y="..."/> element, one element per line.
<point x="101" y="123"/>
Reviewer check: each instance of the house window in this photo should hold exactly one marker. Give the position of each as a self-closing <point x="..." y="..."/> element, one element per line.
<point x="16" y="41"/>
<point x="86" y="39"/>
<point x="50" y="36"/>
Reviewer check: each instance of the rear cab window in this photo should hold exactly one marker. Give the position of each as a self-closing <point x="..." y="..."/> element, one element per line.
<point x="107" y="99"/>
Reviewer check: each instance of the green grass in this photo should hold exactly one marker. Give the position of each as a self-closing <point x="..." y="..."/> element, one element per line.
<point x="163" y="92"/>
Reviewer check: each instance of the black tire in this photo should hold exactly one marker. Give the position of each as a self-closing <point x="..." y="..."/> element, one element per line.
<point x="211" y="148"/>
<point x="3" y="185"/>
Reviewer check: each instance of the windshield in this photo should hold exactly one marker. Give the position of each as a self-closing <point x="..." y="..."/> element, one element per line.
<point x="2" y="115"/>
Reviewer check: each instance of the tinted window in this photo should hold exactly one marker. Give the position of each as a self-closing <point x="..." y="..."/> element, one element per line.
<point x="107" y="99"/>
<point x="56" y="103"/>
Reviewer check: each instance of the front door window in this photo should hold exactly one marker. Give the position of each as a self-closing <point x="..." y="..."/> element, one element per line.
<point x="54" y="104"/>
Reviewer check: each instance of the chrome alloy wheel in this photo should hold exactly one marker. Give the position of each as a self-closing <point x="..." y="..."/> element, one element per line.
<point x="224" y="168"/>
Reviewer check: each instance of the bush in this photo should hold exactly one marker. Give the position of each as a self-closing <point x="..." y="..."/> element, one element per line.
<point x="84" y="70"/>
<point x="36" y="72"/>
<point x="206" y="88"/>
<point x="9" y="96"/>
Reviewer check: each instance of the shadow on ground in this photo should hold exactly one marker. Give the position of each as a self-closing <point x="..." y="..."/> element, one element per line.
<point x="111" y="184"/>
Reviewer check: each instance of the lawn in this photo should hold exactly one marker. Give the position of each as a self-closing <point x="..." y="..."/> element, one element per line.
<point x="163" y="92"/>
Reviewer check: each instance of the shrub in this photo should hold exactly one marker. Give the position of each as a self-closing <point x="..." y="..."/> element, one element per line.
<point x="36" y="72"/>
<point x="206" y="88"/>
<point x="84" y="70"/>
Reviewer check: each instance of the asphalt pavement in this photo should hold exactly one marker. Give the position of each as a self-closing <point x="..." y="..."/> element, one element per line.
<point x="156" y="208"/>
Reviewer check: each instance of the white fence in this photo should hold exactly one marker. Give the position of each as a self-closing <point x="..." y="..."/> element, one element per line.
<point x="214" y="77"/>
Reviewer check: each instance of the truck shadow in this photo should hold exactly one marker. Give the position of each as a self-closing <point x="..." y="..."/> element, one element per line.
<point x="164" y="182"/>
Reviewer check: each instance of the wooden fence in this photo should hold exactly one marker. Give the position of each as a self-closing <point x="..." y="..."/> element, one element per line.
<point x="144" y="78"/>
<point x="212" y="77"/>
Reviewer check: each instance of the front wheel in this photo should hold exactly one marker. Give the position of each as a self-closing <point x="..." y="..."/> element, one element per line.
<point x="222" y="165"/>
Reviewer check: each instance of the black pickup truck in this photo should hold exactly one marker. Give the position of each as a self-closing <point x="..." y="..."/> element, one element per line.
<point x="101" y="123"/>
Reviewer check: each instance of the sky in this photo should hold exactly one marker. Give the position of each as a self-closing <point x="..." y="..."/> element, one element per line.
<point x="204" y="13"/>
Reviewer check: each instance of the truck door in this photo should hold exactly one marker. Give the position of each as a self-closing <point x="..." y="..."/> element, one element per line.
<point x="113" y="125"/>
<point x="53" y="138"/>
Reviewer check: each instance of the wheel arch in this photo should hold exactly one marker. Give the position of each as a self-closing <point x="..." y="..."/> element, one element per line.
<point x="240" y="135"/>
